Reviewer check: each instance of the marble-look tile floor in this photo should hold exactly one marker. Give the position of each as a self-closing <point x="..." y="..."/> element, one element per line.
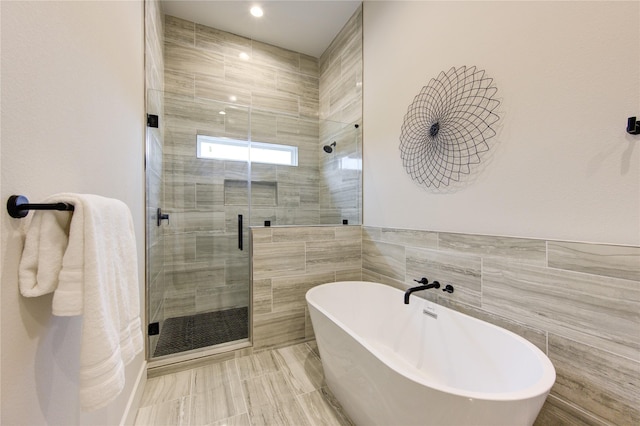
<point x="277" y="387"/>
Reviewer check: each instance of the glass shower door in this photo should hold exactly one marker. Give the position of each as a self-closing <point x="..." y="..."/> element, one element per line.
<point x="198" y="267"/>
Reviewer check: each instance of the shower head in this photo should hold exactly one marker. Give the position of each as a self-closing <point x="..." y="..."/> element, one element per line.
<point x="328" y="149"/>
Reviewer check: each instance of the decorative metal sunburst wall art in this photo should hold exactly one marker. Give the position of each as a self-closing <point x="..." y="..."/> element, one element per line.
<point x="448" y="125"/>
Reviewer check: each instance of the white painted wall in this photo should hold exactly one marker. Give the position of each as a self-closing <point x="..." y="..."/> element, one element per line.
<point x="567" y="74"/>
<point x="72" y="120"/>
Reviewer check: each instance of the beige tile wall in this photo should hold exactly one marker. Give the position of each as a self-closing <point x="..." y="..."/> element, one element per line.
<point x="286" y="263"/>
<point x="341" y="74"/>
<point x="580" y="303"/>
<point x="271" y="96"/>
<point x="276" y="94"/>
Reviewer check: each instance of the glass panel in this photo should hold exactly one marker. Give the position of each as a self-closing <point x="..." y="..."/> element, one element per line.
<point x="201" y="295"/>
<point x="324" y="188"/>
<point x="154" y="201"/>
<point x="340" y="173"/>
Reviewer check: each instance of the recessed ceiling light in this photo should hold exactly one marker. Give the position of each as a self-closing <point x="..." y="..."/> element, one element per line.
<point x="244" y="56"/>
<point x="256" y="11"/>
<point x="222" y="113"/>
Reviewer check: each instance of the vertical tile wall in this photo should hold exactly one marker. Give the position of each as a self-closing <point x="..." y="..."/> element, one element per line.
<point x="266" y="93"/>
<point x="286" y="263"/>
<point x="154" y="84"/>
<point x="580" y="303"/>
<point x="340" y="111"/>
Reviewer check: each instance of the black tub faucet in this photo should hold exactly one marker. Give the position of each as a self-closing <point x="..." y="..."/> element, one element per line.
<point x="425" y="286"/>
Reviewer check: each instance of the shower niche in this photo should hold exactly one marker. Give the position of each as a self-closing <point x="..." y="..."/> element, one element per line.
<point x="262" y="194"/>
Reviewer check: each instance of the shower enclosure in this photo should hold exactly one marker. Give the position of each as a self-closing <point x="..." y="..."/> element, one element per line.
<point x="236" y="137"/>
<point x="213" y="170"/>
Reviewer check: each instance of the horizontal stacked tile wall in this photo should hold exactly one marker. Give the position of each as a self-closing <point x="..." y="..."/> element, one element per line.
<point x="286" y="263"/>
<point x="340" y="68"/>
<point x="578" y="302"/>
<point x="223" y="85"/>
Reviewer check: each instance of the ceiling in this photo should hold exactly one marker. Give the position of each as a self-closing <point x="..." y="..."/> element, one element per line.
<point x="305" y="26"/>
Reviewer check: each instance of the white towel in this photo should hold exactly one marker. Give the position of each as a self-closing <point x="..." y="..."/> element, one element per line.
<point x="41" y="261"/>
<point x="98" y="279"/>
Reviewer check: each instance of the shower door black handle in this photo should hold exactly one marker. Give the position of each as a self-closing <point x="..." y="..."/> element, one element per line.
<point x="161" y="216"/>
<point x="240" y="232"/>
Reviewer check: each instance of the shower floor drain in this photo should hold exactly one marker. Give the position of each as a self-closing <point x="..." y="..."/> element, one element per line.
<point x="201" y="330"/>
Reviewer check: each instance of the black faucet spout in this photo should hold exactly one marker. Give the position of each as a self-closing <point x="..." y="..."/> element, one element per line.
<point x="407" y="293"/>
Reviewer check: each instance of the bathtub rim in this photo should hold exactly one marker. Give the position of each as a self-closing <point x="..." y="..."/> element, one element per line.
<point x="541" y="387"/>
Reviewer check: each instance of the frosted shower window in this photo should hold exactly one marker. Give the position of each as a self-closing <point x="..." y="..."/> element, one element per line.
<point x="237" y="150"/>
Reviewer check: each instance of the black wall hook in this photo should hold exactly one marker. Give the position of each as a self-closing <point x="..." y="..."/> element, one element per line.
<point x="633" y="126"/>
<point x="18" y="206"/>
<point x="448" y="288"/>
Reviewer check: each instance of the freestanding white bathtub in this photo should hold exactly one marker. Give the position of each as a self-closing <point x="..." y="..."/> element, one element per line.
<point x="389" y="363"/>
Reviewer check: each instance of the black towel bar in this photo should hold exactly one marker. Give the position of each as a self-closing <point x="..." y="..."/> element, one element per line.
<point x="18" y="206"/>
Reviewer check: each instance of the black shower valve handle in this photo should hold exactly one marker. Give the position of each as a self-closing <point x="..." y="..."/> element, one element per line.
<point x="448" y="288"/>
<point x="423" y="281"/>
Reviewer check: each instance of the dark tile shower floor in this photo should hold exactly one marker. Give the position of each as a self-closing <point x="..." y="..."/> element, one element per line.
<point x="198" y="331"/>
